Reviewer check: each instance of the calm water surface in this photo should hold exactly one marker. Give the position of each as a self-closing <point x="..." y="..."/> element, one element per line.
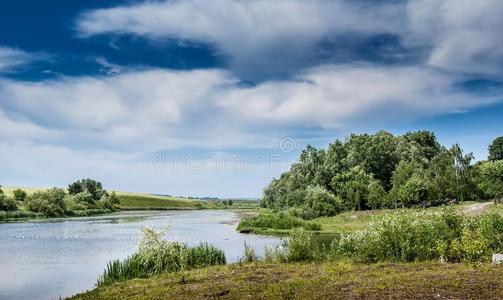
<point x="58" y="258"/>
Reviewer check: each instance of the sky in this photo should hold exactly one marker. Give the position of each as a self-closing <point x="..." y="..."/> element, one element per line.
<point x="215" y="98"/>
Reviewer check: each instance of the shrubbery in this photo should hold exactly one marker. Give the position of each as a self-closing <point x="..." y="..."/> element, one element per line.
<point x="282" y="221"/>
<point x="51" y="202"/>
<point x="82" y="200"/>
<point x="405" y="237"/>
<point x="157" y="256"/>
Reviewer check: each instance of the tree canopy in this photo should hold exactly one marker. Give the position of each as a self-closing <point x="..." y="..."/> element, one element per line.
<point x="381" y="171"/>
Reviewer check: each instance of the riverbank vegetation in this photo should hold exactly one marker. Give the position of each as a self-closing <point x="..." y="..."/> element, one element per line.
<point x="83" y="198"/>
<point x="404" y="255"/>
<point x="381" y="172"/>
<point x="327" y="280"/>
<point x="157" y="256"/>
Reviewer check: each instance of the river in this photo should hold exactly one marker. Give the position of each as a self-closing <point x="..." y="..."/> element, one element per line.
<point x="57" y="258"/>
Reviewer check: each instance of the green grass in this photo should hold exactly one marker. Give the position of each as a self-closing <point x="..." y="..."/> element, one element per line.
<point x="316" y="281"/>
<point x="359" y="220"/>
<point x="274" y="223"/>
<point x="139" y="201"/>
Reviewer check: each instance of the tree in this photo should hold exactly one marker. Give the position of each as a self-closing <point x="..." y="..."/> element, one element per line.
<point x="91" y="186"/>
<point x="426" y="142"/>
<point x="114" y="199"/>
<point x="20" y="195"/>
<point x="414" y="191"/>
<point x="376" y="194"/>
<point x="496" y="149"/>
<point x="352" y="187"/>
<point x="403" y="172"/>
<point x="6" y="203"/>
<point x="322" y="202"/>
<point x="50" y="203"/>
<point x="492" y="179"/>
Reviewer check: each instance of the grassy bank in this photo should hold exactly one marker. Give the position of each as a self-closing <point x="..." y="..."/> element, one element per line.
<point x="359" y="220"/>
<point x="316" y="281"/>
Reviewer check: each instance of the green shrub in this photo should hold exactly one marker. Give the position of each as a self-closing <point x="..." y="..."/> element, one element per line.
<point x="408" y="237"/>
<point x="20" y="195"/>
<point x="300" y="246"/>
<point x="7" y="203"/>
<point x="249" y="254"/>
<point x="51" y="202"/>
<point x="322" y="202"/>
<point x="157" y="256"/>
<point x="279" y="220"/>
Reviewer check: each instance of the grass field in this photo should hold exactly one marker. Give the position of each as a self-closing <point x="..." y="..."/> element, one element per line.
<point x="138" y="201"/>
<point x="430" y="280"/>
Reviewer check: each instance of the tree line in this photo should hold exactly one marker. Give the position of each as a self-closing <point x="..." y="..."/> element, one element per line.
<point x="384" y="171"/>
<point x="81" y="198"/>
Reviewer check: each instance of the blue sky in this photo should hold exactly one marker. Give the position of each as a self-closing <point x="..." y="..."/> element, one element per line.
<point x="214" y="98"/>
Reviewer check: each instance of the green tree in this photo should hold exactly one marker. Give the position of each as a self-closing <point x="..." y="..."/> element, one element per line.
<point x="425" y="141"/>
<point x="20" y="195"/>
<point x="114" y="199"/>
<point x="353" y="187"/>
<point x="492" y="179"/>
<point x="496" y="149"/>
<point x="403" y="172"/>
<point x="91" y="186"/>
<point x="322" y="202"/>
<point x="6" y="203"/>
<point x="50" y="202"/>
<point x="376" y="195"/>
<point x="414" y="191"/>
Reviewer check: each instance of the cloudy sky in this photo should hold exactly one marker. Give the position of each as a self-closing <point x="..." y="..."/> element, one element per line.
<point x="214" y="98"/>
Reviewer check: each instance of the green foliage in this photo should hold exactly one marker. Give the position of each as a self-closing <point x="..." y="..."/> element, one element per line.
<point x="408" y="237"/>
<point x="7" y="203"/>
<point x="157" y="256"/>
<point x="280" y="220"/>
<point x="51" y="202"/>
<point x="322" y="202"/>
<point x="20" y="195"/>
<point x="353" y="186"/>
<point x="300" y="246"/>
<point x="375" y="171"/>
<point x="90" y="186"/>
<point x="249" y="254"/>
<point x="491" y="178"/>
<point x="114" y="199"/>
<point x="496" y="149"/>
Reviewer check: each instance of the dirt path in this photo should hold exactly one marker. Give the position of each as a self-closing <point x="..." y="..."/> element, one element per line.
<point x="476" y="209"/>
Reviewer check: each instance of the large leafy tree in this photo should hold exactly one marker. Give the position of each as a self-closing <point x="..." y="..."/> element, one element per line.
<point x="90" y="186"/>
<point x="496" y="149"/>
<point x="492" y="179"/>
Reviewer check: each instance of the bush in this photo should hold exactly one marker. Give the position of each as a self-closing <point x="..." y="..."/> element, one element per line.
<point x="281" y="220"/>
<point x="409" y="237"/>
<point x="300" y="246"/>
<point x="157" y="256"/>
<point x="51" y="202"/>
<point x="20" y="195"/>
<point x="322" y="202"/>
<point x="7" y="204"/>
<point x="249" y="254"/>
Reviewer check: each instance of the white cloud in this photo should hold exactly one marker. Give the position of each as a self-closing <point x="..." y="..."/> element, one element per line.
<point x="263" y="36"/>
<point x="253" y="34"/>
<point x="464" y="35"/>
<point x="11" y="58"/>
<point x="158" y="108"/>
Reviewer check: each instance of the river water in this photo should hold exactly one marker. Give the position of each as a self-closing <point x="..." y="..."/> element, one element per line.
<point x="58" y="258"/>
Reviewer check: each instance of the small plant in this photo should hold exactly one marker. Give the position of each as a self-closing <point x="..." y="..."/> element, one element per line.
<point x="249" y="254"/>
